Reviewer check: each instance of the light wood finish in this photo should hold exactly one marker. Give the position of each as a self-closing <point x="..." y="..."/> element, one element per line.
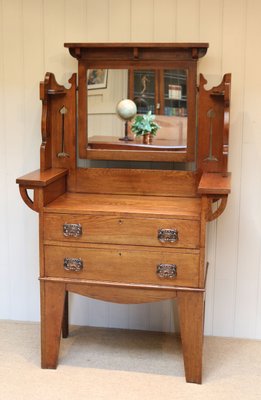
<point x="157" y="56"/>
<point x="215" y="184"/>
<point x="123" y="295"/>
<point x="118" y="256"/>
<point x="58" y="148"/>
<point x="118" y="230"/>
<point x="213" y="125"/>
<point x="191" y="314"/>
<point x="41" y="179"/>
<point x="109" y="204"/>
<point x="135" y="181"/>
<point x="123" y="265"/>
<point x="52" y="307"/>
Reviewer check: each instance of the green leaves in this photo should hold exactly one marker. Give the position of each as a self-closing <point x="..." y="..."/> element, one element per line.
<point x="144" y="124"/>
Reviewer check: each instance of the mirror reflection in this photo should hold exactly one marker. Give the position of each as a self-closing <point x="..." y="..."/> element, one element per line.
<point x="162" y="93"/>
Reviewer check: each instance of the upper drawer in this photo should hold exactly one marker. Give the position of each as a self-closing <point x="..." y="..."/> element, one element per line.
<point x="114" y="230"/>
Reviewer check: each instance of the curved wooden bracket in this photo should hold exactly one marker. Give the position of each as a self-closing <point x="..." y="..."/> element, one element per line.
<point x="27" y="199"/>
<point x="214" y="215"/>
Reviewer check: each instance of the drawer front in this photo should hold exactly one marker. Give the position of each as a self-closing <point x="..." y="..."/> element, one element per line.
<point x="113" y="230"/>
<point x="124" y="266"/>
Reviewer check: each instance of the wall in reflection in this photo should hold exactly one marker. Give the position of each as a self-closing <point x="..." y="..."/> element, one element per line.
<point x="102" y="117"/>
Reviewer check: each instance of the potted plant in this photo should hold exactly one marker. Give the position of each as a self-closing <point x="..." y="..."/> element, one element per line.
<point x="145" y="126"/>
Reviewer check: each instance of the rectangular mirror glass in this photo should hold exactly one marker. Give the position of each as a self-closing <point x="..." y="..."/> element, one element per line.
<point x="162" y="93"/>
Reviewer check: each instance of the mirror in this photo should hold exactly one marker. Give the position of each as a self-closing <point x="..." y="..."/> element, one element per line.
<point x="162" y="92"/>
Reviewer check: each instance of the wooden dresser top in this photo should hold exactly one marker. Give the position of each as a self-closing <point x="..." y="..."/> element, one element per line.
<point x="150" y="206"/>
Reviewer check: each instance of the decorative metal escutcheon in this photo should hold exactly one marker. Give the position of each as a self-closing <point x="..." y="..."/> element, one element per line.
<point x="167" y="271"/>
<point x="72" y="230"/>
<point x="168" y="235"/>
<point x="73" y="264"/>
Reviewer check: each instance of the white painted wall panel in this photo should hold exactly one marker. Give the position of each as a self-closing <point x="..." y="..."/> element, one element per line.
<point x="32" y="33"/>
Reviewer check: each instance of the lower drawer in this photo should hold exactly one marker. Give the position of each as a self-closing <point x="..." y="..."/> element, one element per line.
<point x="147" y="266"/>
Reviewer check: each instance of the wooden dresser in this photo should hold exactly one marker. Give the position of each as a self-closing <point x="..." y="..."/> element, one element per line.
<point x="129" y="235"/>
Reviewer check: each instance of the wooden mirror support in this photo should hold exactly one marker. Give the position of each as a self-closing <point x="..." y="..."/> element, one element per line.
<point x="157" y="57"/>
<point x="127" y="235"/>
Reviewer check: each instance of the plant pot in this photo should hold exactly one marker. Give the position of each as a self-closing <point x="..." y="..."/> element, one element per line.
<point x="147" y="138"/>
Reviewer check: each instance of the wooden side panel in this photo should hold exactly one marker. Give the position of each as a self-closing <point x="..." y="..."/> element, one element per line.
<point x="58" y="147"/>
<point x="126" y="181"/>
<point x="213" y="125"/>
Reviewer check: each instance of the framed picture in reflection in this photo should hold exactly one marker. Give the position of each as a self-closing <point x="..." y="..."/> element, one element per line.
<point x="97" y="79"/>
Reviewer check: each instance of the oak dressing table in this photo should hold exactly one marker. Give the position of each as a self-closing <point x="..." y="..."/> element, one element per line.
<point x="135" y="234"/>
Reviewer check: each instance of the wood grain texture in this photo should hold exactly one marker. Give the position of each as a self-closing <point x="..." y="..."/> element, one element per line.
<point x="215" y="183"/>
<point x="134" y="181"/>
<point x="191" y="314"/>
<point x="149" y="206"/>
<point x="41" y="179"/>
<point x="125" y="265"/>
<point x="227" y="25"/>
<point x="114" y="229"/>
<point x="52" y="306"/>
<point x="121" y="295"/>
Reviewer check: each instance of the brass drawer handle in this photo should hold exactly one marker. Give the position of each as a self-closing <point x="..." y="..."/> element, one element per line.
<point x="72" y="230"/>
<point x="167" y="271"/>
<point x="168" y="235"/>
<point x="73" y="264"/>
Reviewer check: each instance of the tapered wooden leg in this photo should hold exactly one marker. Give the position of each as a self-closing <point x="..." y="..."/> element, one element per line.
<point x="65" y="324"/>
<point x="191" y="316"/>
<point x="52" y="307"/>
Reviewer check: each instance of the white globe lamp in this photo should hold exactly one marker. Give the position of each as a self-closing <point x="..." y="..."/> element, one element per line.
<point x="126" y="110"/>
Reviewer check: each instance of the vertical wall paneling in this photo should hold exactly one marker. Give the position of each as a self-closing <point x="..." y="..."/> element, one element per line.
<point x="138" y="316"/>
<point x="97" y="21"/>
<point x="249" y="249"/>
<point x="33" y="71"/>
<point x="54" y="35"/>
<point x="234" y="30"/>
<point x="2" y="107"/>
<point x="13" y="62"/>
<point x="187" y="29"/>
<point x="210" y="30"/>
<point x="258" y="309"/>
<point x="75" y="30"/>
<point x="118" y="315"/>
<point x="32" y="34"/>
<point x="4" y="272"/>
<point x="119" y="21"/>
<point x="142" y="20"/>
<point x="165" y="20"/>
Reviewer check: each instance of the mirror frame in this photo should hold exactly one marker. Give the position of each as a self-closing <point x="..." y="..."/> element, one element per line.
<point x="158" y="56"/>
